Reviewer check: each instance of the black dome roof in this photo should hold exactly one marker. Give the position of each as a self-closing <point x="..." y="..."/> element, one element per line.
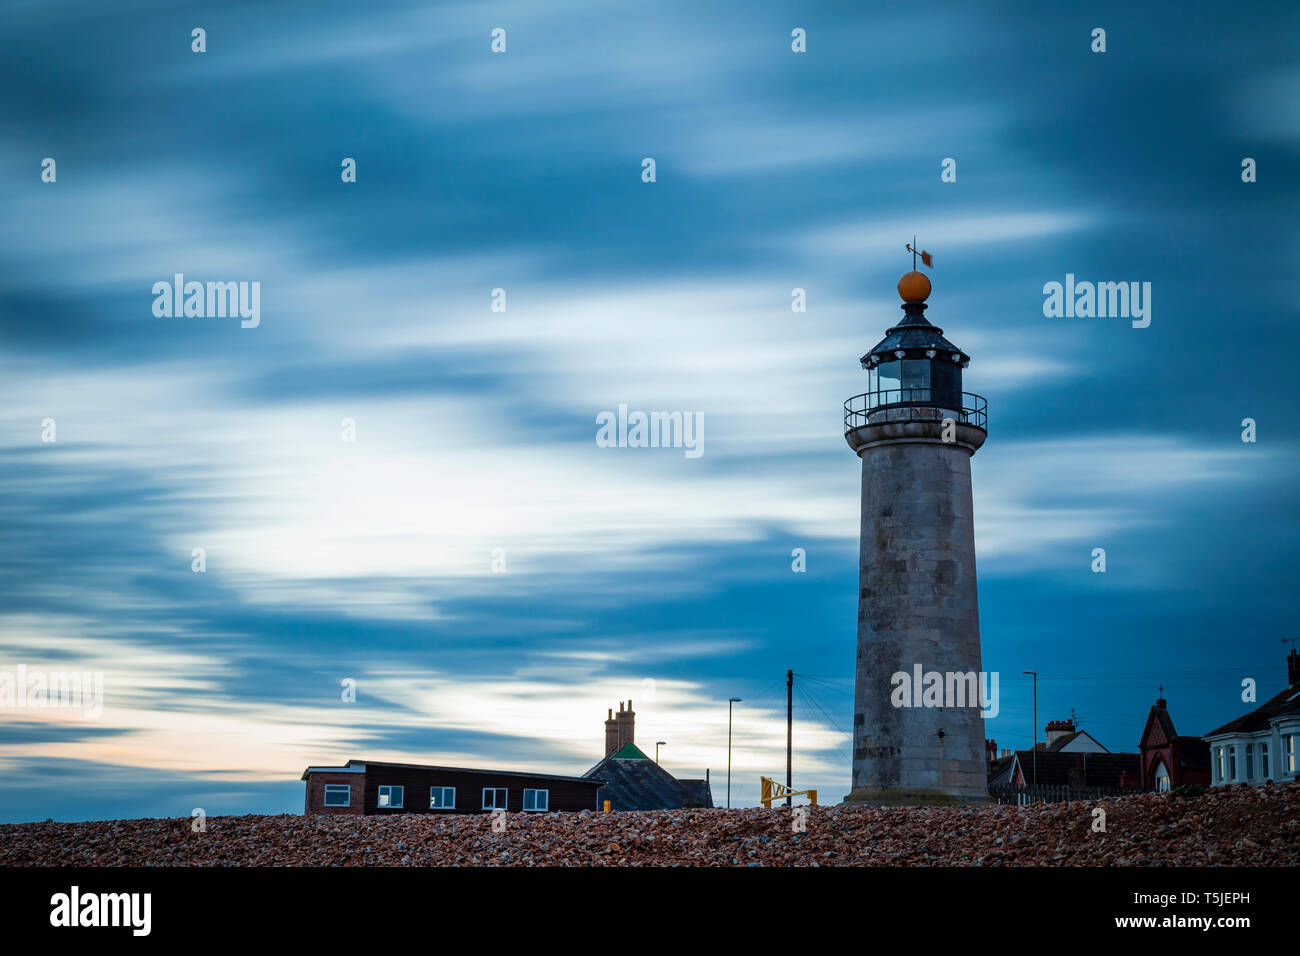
<point x="916" y="337"/>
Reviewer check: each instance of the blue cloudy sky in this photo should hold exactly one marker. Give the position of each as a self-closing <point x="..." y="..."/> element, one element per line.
<point x="630" y="573"/>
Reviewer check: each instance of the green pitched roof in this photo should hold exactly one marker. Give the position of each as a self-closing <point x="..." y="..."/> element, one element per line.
<point x="629" y="752"/>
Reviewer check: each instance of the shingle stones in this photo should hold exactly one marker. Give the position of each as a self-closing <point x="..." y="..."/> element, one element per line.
<point x="1225" y="826"/>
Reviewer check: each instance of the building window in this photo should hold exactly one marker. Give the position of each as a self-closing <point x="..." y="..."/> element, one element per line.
<point x="442" y="798"/>
<point x="1290" y="752"/>
<point x="1162" y="776"/>
<point x="537" y="799"/>
<point x="338" y="795"/>
<point x="494" y="798"/>
<point x="1263" y="761"/>
<point x="391" y="796"/>
<point x="1250" y="761"/>
<point x="1222" y="775"/>
<point x="1232" y="762"/>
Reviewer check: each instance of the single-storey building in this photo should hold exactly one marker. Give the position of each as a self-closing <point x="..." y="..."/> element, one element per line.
<point x="372" y="787"/>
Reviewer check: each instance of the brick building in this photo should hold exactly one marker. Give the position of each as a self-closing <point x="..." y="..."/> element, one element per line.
<point x="1169" y="759"/>
<point x="370" y="787"/>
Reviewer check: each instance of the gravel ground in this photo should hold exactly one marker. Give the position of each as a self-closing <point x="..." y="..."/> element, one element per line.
<point x="1257" y="826"/>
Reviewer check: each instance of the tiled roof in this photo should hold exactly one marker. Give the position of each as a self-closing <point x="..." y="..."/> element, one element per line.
<point x="638" y="783"/>
<point x="1165" y="721"/>
<point x="1287" y="702"/>
<point x="696" y="793"/>
<point x="1099" y="770"/>
<point x="1002" y="771"/>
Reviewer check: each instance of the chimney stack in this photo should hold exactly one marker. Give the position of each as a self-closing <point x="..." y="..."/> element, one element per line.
<point x="626" y="725"/>
<point x="620" y="729"/>
<point x="1058" y="728"/>
<point x="611" y="734"/>
<point x="1292" y="668"/>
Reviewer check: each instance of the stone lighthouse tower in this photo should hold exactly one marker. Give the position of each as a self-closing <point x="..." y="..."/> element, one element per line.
<point x="918" y="615"/>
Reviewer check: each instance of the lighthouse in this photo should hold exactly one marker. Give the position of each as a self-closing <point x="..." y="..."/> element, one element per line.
<point x="918" y="613"/>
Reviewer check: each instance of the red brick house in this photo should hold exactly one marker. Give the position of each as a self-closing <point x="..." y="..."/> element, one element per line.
<point x="1168" y="759"/>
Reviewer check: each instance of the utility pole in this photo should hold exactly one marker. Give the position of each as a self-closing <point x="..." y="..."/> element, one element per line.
<point x="658" y="744"/>
<point x="730" y="702"/>
<point x="789" y="730"/>
<point x="1035" y="750"/>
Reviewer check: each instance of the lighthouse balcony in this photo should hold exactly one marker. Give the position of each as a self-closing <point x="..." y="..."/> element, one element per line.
<point x="892" y="405"/>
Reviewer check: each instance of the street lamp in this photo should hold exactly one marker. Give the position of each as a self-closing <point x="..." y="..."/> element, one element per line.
<point x="730" y="702"/>
<point x="1035" y="750"/>
<point x="658" y="744"/>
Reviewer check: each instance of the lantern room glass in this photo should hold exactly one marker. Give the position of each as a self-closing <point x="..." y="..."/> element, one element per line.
<point x="928" y="383"/>
<point x="901" y="381"/>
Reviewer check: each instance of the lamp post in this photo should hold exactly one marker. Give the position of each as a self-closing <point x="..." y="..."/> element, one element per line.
<point x="730" y="702"/>
<point x="1035" y="750"/>
<point x="658" y="744"/>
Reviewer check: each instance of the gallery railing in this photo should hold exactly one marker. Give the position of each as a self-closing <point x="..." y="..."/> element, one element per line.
<point x="915" y="405"/>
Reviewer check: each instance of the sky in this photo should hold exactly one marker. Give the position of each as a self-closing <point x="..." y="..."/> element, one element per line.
<point x="635" y="574"/>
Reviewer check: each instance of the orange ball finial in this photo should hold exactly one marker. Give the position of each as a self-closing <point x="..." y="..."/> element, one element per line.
<point x="914" y="287"/>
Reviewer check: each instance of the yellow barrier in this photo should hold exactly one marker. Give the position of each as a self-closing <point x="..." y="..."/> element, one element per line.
<point x="771" y="790"/>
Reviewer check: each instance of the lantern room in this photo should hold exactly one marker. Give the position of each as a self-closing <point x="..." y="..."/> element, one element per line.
<point x="914" y="366"/>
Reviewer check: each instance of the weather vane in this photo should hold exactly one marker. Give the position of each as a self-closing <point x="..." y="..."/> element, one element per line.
<point x="925" y="256"/>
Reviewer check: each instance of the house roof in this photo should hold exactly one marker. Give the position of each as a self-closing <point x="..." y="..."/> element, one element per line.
<point x="360" y="766"/>
<point x="696" y="793"/>
<point x="1061" y="741"/>
<point x="632" y="781"/>
<point x="1099" y="769"/>
<point x="1166" y="723"/>
<point x="1002" y="771"/>
<point x="1284" y="704"/>
<point x="1159" y="728"/>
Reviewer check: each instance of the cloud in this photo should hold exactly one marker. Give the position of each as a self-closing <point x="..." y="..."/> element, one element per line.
<point x="877" y="238"/>
<point x="1048" y="503"/>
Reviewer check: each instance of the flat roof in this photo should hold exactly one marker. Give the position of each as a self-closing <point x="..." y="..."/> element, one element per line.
<point x="359" y="766"/>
